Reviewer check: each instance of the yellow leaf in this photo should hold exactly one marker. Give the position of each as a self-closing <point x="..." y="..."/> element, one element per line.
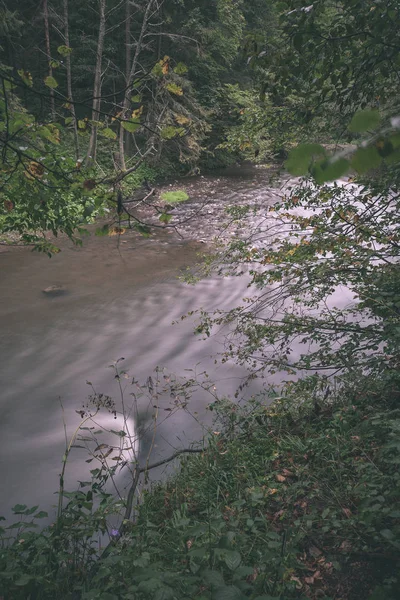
<point x="165" y="65"/>
<point x="34" y="170"/>
<point x="116" y="231"/>
<point x="182" y="120"/>
<point x="136" y="113"/>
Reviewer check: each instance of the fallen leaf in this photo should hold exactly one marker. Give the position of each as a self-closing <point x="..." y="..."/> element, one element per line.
<point x="317" y="575"/>
<point x="278" y="514"/>
<point x="345" y="546"/>
<point x="314" y="551"/>
<point x="280" y="478"/>
<point x="287" y="473"/>
<point x="299" y="585"/>
<point x="251" y="578"/>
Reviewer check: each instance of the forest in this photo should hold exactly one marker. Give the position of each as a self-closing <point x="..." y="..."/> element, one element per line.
<point x="247" y="151"/>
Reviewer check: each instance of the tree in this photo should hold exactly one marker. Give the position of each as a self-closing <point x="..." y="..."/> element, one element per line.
<point x="67" y="53"/>
<point x="147" y="69"/>
<point x="48" y="54"/>
<point x="322" y="236"/>
<point x="92" y="148"/>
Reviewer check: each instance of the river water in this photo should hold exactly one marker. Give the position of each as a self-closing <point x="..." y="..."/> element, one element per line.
<point x="120" y="300"/>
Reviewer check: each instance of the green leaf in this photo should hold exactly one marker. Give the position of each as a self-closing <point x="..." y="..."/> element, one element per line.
<point x="165" y="218"/>
<point x="301" y="157"/>
<point x="395" y="140"/>
<point x="365" y="159"/>
<point x="232" y="559"/>
<point x="30" y="511"/>
<point x="144" y="230"/>
<point x="164" y="593"/>
<point x="157" y="70"/>
<point x="174" y="89"/>
<point x="364" y="120"/>
<point x="64" y="50"/>
<point x="198" y="553"/>
<point x="41" y="515"/>
<point x="230" y="592"/>
<point x="387" y="534"/>
<point x="102" y="231"/>
<point x="131" y="126"/>
<point x="18" y="509"/>
<point x="213" y="578"/>
<point x="394" y="157"/>
<point x="150" y="586"/>
<point x="169" y="132"/>
<point x="108" y="133"/>
<point x="298" y="42"/>
<point x="174" y="197"/>
<point x="23" y="580"/>
<point x="329" y="170"/>
<point x="181" y="68"/>
<point x="26" y="77"/>
<point x="49" y="133"/>
<point x="50" y="82"/>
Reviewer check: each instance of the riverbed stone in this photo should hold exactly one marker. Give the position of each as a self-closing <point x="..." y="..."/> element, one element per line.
<point x="54" y="290"/>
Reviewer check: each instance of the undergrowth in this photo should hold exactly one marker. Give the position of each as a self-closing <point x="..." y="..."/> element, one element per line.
<point x="298" y="499"/>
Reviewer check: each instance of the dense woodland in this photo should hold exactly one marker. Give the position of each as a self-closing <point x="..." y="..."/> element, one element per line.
<point x="294" y="499"/>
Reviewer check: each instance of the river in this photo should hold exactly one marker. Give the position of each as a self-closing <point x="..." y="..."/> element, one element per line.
<point x="120" y="300"/>
<point x="121" y="296"/>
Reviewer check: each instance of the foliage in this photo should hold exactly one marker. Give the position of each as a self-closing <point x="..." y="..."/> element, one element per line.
<point x="169" y="111"/>
<point x="382" y="147"/>
<point x="324" y="239"/>
<point x="297" y="500"/>
<point x="316" y="245"/>
<point x="255" y="129"/>
<point x="174" y="197"/>
<point x="344" y="53"/>
<point x="42" y="188"/>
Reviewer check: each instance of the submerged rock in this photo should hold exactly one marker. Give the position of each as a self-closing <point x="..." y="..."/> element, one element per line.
<point x="54" y="290"/>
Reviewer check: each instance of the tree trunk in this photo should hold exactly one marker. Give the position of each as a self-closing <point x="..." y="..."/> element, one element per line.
<point x="91" y="153"/>
<point x="128" y="58"/>
<point x="130" y="76"/>
<point x="48" y="53"/>
<point x="69" y="80"/>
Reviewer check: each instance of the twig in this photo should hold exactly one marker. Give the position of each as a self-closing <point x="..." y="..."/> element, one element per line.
<point x="131" y="495"/>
